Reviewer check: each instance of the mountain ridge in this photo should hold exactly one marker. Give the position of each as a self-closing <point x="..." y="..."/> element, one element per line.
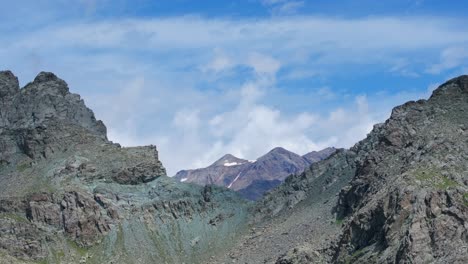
<point x="253" y="178"/>
<point x="69" y="195"/>
<point x="398" y="196"/>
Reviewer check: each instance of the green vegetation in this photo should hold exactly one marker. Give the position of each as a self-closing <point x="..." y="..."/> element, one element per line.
<point x="428" y="174"/>
<point x="15" y="217"/>
<point x="22" y="167"/>
<point x="80" y="250"/>
<point x="356" y="254"/>
<point x="432" y="177"/>
<point x="446" y="183"/>
<point x="339" y="221"/>
<point x="60" y="255"/>
<point x="465" y="199"/>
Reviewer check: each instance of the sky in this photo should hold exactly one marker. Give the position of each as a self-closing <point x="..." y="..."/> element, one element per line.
<point x="200" y="79"/>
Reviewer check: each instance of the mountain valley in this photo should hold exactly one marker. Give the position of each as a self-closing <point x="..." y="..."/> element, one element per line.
<point x="69" y="195"/>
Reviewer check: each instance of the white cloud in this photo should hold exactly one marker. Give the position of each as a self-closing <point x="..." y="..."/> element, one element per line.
<point x="450" y="58"/>
<point x="263" y="64"/>
<point x="333" y="41"/>
<point x="219" y="62"/>
<point x="187" y="119"/>
<point x="151" y="80"/>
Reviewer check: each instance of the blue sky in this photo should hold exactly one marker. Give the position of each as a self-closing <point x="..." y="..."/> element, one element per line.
<point x="203" y="78"/>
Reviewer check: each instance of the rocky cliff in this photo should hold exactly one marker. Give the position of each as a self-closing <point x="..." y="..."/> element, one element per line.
<point x="68" y="195"/>
<point x="398" y="196"/>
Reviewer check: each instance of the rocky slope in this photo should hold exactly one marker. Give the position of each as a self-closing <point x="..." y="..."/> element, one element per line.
<point x="316" y="156"/>
<point x="398" y="196"/>
<point x="253" y="178"/>
<point x="68" y="195"/>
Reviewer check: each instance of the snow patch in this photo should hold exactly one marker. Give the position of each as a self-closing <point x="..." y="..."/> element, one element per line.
<point x="237" y="177"/>
<point x="252" y="161"/>
<point x="229" y="164"/>
<point x="184" y="179"/>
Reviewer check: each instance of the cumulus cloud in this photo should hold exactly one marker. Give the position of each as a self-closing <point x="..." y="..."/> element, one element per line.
<point x="162" y="80"/>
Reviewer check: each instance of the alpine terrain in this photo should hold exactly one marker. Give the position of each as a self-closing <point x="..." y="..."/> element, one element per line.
<point x="69" y="195"/>
<point x="253" y="178"/>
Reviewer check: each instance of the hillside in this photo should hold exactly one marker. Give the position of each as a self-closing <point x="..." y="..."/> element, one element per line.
<point x="398" y="196"/>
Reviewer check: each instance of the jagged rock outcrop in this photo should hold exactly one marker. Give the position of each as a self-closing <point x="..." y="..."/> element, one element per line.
<point x="398" y="196"/>
<point x="45" y="99"/>
<point x="68" y="195"/>
<point x="77" y="213"/>
<point x="406" y="203"/>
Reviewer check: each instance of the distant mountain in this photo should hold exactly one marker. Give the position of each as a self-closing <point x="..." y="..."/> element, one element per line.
<point x="253" y="178"/>
<point x="222" y="173"/>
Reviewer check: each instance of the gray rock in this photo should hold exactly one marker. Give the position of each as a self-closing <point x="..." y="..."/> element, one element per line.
<point x="9" y="84"/>
<point x="69" y="195"/>
<point x="398" y="196"/>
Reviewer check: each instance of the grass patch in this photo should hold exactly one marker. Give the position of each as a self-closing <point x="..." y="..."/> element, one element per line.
<point x="426" y="174"/>
<point x="446" y="183"/>
<point x="432" y="177"/>
<point x="339" y="222"/>
<point x="15" y="217"/>
<point x="22" y="167"/>
<point x="356" y="254"/>
<point x="80" y="250"/>
<point x="465" y="199"/>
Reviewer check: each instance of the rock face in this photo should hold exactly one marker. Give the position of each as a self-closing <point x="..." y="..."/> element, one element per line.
<point x="253" y="178"/>
<point x="46" y="99"/>
<point x="408" y="199"/>
<point x="398" y="196"/>
<point x="68" y="195"/>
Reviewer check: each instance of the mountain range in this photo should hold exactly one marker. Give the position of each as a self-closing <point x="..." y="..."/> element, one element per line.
<point x="69" y="195"/>
<point x="252" y="178"/>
